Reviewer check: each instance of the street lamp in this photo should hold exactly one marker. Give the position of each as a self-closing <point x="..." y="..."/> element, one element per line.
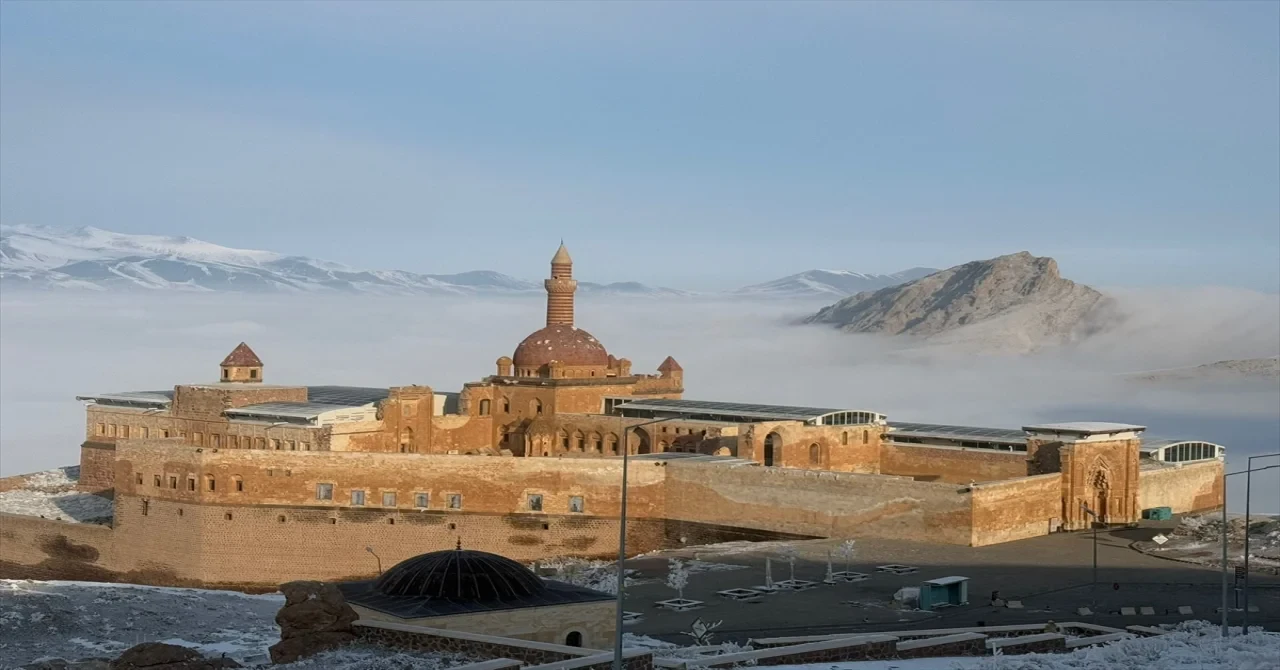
<point x="1248" y="469"/>
<point x="1248" y="496"/>
<point x="375" y="557"/>
<point x="1093" y="596"/>
<point x="622" y="527"/>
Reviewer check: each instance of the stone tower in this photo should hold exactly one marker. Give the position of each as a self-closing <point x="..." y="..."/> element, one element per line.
<point x="560" y="289"/>
<point x="242" y="365"/>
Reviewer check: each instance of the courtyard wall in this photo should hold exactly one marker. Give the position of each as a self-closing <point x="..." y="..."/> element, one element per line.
<point x="1016" y="509"/>
<point x="1192" y="487"/>
<point x="958" y="465"/>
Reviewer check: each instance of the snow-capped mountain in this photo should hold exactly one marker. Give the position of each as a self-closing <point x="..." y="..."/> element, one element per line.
<point x="41" y="257"/>
<point x="829" y="283"/>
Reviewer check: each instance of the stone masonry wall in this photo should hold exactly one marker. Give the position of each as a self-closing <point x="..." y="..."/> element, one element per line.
<point x="1016" y="509"/>
<point x="957" y="465"/>
<point x="465" y="645"/>
<point x="594" y="621"/>
<point x="1187" y="488"/>
<point x="825" y="504"/>
<point x="97" y="466"/>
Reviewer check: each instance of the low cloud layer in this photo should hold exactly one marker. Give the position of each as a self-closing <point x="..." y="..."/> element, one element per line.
<point x="55" y="346"/>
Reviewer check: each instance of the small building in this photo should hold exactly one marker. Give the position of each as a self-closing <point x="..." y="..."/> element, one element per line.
<point x="944" y="592"/>
<point x="488" y="594"/>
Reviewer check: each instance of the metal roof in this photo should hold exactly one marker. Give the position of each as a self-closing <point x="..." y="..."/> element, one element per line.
<point x="965" y="433"/>
<point x="944" y="581"/>
<point x="1084" y="428"/>
<point x="704" y="409"/>
<point x="139" y="398"/>
<point x="364" y="594"/>
<point x="286" y="410"/>
<point x="350" y="396"/>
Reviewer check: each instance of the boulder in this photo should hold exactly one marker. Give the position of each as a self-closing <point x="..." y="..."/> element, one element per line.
<point x="161" y="656"/>
<point x="315" y="618"/>
<point x="295" y="648"/>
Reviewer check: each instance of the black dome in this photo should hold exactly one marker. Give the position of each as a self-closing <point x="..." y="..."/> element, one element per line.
<point x="460" y="575"/>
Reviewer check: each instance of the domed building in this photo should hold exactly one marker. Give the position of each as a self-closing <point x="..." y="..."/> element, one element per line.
<point x="480" y="592"/>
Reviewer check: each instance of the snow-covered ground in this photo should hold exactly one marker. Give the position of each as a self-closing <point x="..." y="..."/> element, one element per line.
<point x="603" y="575"/>
<point x="75" y="620"/>
<point x="52" y="494"/>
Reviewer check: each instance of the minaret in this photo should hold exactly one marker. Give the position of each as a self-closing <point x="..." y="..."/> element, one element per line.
<point x="560" y="288"/>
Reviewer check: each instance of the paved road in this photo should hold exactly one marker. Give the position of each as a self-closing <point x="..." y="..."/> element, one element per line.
<point x="1051" y="575"/>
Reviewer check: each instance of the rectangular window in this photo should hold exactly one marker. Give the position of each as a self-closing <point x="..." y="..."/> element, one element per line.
<point x="191" y="483"/>
<point x="259" y="443"/>
<point x="389" y="499"/>
<point x="215" y="440"/>
<point x="144" y="432"/>
<point x="324" y="491"/>
<point x="275" y="444"/>
<point x="306" y="446"/>
<point x="239" y="484"/>
<point x="197" y="439"/>
<point x="173" y="482"/>
<point x="124" y="431"/>
<point x="420" y="500"/>
<point x="111" y="430"/>
<point x="253" y="373"/>
<point x="213" y="484"/>
<point x="164" y="432"/>
<point x="535" y="502"/>
<point x="101" y="429"/>
<point x="455" y="501"/>
<point x="357" y="497"/>
<point x="139" y="474"/>
<point x="576" y="504"/>
<point x="157" y="481"/>
<point x="293" y="446"/>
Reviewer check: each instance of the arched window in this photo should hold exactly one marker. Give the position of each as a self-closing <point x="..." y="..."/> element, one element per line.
<point x="772" y="448"/>
<point x="573" y="639"/>
<point x="866" y="437"/>
<point x="562" y="440"/>
<point x="579" y="442"/>
<point x="815" y="454"/>
<point x="506" y="405"/>
<point x="535" y="407"/>
<point x="844" y="437"/>
<point x="611" y="443"/>
<point x="597" y="444"/>
<point x="484" y="407"/>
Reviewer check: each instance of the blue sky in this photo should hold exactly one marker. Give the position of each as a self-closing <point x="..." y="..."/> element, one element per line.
<point x="701" y="145"/>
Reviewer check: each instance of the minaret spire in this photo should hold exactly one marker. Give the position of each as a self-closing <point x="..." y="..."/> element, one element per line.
<point x="560" y="289"/>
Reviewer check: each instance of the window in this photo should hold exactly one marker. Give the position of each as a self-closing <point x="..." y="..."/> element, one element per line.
<point x="157" y="481"/>
<point x="124" y="431"/>
<point x="197" y="438"/>
<point x="576" y="504"/>
<point x="357" y="497"/>
<point x="506" y="406"/>
<point x="815" y="454"/>
<point x="164" y="432"/>
<point x="173" y="482"/>
<point x="866" y="436"/>
<point x="191" y="483"/>
<point x="333" y="521"/>
<point x="324" y="491"/>
<point x="210" y="483"/>
<point x="101" y="429"/>
<point x="253" y="373"/>
<point x="227" y="516"/>
<point x="215" y="440"/>
<point x="306" y="446"/>
<point x="280" y="518"/>
<point x="179" y="511"/>
<point x="564" y="440"/>
<point x="389" y="499"/>
<point x="535" y="502"/>
<point x="111" y="430"/>
<point x="484" y="407"/>
<point x="455" y="501"/>
<point x="275" y="444"/>
<point x="535" y="407"/>
<point x="146" y="507"/>
<point x="573" y="639"/>
<point x="844" y="437"/>
<point x="239" y="483"/>
<point x="139" y="478"/>
<point x="293" y="446"/>
<point x="259" y="443"/>
<point x="226" y="374"/>
<point x="144" y="432"/>
<point x="420" y="500"/>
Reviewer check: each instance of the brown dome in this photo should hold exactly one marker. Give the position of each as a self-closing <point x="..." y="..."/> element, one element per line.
<point x="565" y="344"/>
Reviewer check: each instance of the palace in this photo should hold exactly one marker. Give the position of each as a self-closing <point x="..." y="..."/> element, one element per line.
<point x="245" y="482"/>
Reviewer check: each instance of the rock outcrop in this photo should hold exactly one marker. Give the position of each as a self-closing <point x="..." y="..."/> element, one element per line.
<point x="315" y="618"/>
<point x="1020" y="300"/>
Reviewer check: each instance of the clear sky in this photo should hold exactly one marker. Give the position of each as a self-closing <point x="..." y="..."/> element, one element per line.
<point x="699" y="144"/>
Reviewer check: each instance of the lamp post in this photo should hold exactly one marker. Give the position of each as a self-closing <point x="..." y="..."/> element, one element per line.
<point x="622" y="527"/>
<point x="1248" y="496"/>
<point x="1093" y="594"/>
<point x="1248" y="469"/>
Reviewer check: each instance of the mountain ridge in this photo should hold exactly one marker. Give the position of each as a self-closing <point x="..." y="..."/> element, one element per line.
<point x="1019" y="300"/>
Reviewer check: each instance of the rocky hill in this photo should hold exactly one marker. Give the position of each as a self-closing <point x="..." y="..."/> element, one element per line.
<point x="829" y="284"/>
<point x="1018" y="302"/>
<point x="1262" y="369"/>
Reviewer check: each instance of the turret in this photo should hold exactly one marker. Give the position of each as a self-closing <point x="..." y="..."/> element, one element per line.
<point x="242" y="365"/>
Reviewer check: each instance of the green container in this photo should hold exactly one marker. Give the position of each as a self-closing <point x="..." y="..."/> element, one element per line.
<point x="1158" y="513"/>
